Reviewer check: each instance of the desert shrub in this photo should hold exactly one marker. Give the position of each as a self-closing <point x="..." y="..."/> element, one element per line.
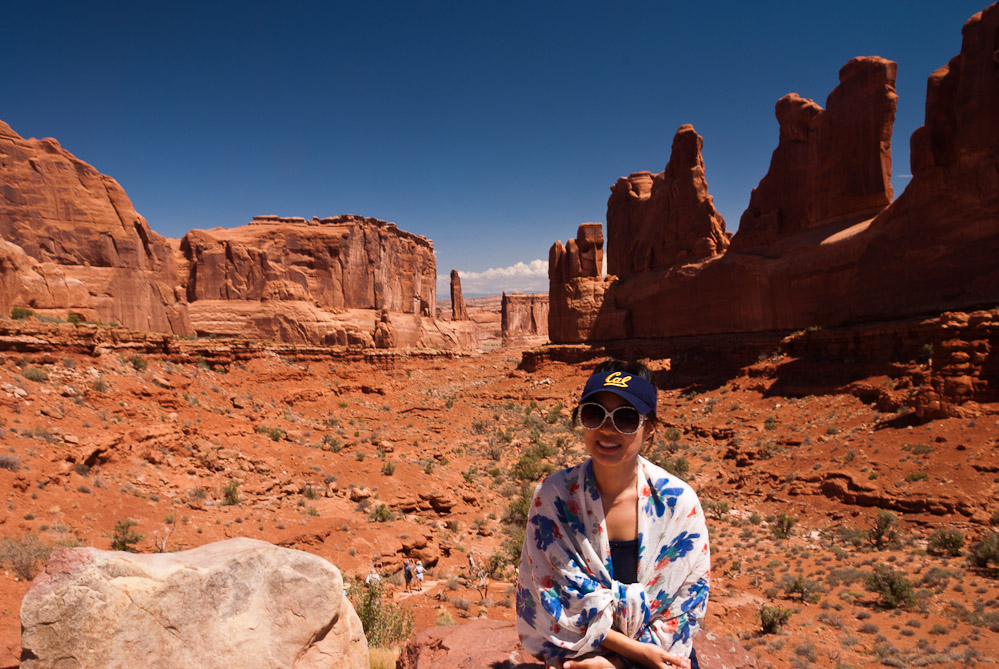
<point x="381" y="514"/>
<point x="809" y="591"/>
<point x="385" y="624"/>
<point x="891" y="586"/>
<point x="382" y="658"/>
<point x="517" y="509"/>
<point x="773" y="618"/>
<point x="985" y="552"/>
<point x="230" y="494"/>
<point x="138" y="363"/>
<point x="33" y="373"/>
<point x="678" y="465"/>
<point x="532" y="466"/>
<point x="916" y="476"/>
<point x="76" y="319"/>
<point x="781" y="524"/>
<point x="388" y="468"/>
<point x="9" y="462"/>
<point x="24" y="555"/>
<point x="444" y="619"/>
<point x="947" y="541"/>
<point x="21" y="313"/>
<point x="884" y="532"/>
<point x="716" y="509"/>
<point x="124" y="537"/>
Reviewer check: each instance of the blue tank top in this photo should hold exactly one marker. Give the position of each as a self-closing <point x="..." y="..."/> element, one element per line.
<point x="624" y="560"/>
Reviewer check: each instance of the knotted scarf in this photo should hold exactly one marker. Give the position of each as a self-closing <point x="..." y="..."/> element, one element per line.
<point x="567" y="598"/>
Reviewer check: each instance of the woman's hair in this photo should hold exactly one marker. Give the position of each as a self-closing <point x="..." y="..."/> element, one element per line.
<point x="634" y="368"/>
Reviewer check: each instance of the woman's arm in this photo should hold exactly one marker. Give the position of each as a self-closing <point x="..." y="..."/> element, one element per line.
<point x="646" y="654"/>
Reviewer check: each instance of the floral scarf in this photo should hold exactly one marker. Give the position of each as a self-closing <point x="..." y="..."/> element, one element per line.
<point x="567" y="598"/>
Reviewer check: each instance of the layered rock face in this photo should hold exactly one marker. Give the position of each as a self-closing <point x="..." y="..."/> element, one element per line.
<point x="524" y="319"/>
<point x="830" y="164"/>
<point x="458" y="310"/>
<point x="576" y="286"/>
<point x="655" y="221"/>
<point x="235" y="603"/>
<point x="72" y="243"/>
<point x="344" y="262"/>
<point x="78" y="223"/>
<point x="818" y="246"/>
<point x="938" y="243"/>
<point x="318" y="281"/>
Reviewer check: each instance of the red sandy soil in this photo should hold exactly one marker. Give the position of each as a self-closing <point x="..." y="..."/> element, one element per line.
<point x="112" y="437"/>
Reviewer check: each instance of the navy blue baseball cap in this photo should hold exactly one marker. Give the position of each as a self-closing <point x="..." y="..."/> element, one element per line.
<point x="639" y="393"/>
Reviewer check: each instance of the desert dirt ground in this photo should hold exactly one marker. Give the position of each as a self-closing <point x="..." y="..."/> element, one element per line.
<point x="368" y="462"/>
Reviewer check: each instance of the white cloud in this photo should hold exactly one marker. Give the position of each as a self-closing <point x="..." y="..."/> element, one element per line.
<point x="531" y="277"/>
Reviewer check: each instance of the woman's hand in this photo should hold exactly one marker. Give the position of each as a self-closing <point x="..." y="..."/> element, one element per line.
<point x="655" y="657"/>
<point x="646" y="654"/>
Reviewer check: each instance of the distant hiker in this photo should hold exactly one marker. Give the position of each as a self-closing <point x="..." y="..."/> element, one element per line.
<point x="372" y="577"/>
<point x="407" y="571"/>
<point x="419" y="574"/>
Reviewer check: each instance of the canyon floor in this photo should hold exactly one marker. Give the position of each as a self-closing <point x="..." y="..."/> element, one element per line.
<point x="367" y="460"/>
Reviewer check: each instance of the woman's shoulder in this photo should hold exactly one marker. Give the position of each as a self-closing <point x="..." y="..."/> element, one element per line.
<point x="663" y="481"/>
<point x="563" y="480"/>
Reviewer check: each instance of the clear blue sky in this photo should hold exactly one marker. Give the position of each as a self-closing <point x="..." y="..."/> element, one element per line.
<point x="493" y="128"/>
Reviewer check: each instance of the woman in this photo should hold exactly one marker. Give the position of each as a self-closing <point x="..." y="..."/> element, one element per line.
<point x="615" y="567"/>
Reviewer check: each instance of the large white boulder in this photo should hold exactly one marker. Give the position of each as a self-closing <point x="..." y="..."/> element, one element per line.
<point x="237" y="603"/>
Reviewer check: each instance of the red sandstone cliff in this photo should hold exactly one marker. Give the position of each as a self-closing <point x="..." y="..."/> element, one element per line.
<point x="95" y="255"/>
<point x="330" y="280"/>
<point x="655" y="221"/>
<point x="72" y="243"/>
<point x="524" y="319"/>
<point x="810" y="254"/>
<point x="458" y="310"/>
<point x="830" y="164"/>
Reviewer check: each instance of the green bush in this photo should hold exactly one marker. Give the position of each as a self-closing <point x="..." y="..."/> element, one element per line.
<point x="125" y="537"/>
<point x="24" y="555"/>
<point x="138" y="363"/>
<point x="21" y="313"/>
<point x="891" y="586"/>
<point x="985" y="552"/>
<point x="773" y="618"/>
<point x="388" y="468"/>
<point x="884" y="532"/>
<point x="809" y="591"/>
<point x="781" y="524"/>
<point x="381" y="514"/>
<point x="35" y="374"/>
<point x="946" y="541"/>
<point x="75" y="319"/>
<point x="230" y="494"/>
<point x="385" y="624"/>
<point x="717" y="509"/>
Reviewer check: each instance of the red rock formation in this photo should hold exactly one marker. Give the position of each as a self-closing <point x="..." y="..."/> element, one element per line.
<point x="576" y="287"/>
<point x="665" y="219"/>
<point x="317" y="281"/>
<point x="458" y="311"/>
<point x="830" y="164"/>
<point x="936" y="247"/>
<point x="524" y="319"/>
<point x="61" y="211"/>
<point x="807" y="260"/>
<point x="342" y="262"/>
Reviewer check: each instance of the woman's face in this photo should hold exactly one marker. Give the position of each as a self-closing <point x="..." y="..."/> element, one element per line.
<point x="607" y="446"/>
